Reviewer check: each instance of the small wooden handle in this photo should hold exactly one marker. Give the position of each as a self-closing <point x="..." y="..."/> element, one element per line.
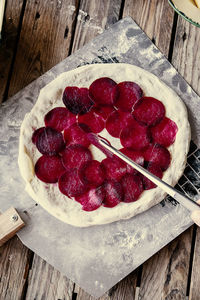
<point x="10" y="223"/>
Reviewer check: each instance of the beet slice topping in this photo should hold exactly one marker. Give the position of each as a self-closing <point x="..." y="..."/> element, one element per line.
<point x="117" y="120"/>
<point x="76" y="134"/>
<point x="154" y="169"/>
<point x="92" y="173"/>
<point x="149" y="111"/>
<point x="74" y="156"/>
<point x="92" y="199"/>
<point x="103" y="111"/>
<point x="50" y="141"/>
<point x="135" y="136"/>
<point x="158" y="155"/>
<point x="59" y="118"/>
<point x="49" y="168"/>
<point x="77" y="100"/>
<point x="114" y="167"/>
<point x="136" y="156"/>
<point x="164" y="133"/>
<point x="113" y="193"/>
<point x="128" y="95"/>
<point x="70" y="184"/>
<point x="103" y="91"/>
<point x="93" y="120"/>
<point x="132" y="186"/>
<point x="36" y="133"/>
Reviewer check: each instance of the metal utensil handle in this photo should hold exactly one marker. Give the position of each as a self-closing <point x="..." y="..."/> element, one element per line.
<point x="184" y="200"/>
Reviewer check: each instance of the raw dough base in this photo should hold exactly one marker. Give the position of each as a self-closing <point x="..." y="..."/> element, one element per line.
<point x="48" y="195"/>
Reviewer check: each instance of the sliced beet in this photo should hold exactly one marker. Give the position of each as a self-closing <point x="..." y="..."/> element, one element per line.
<point x="93" y="120"/>
<point x="114" y="168"/>
<point x="103" y="91"/>
<point x="113" y="193"/>
<point x="132" y="186"/>
<point x="50" y="141"/>
<point x="118" y="120"/>
<point x="74" y="156"/>
<point x="149" y="111"/>
<point x="36" y="133"/>
<point x="92" y="199"/>
<point x="155" y="170"/>
<point x="128" y="95"/>
<point x="92" y="173"/>
<point x="76" y="134"/>
<point x="164" y="133"/>
<point x="49" y="168"/>
<point x="77" y="100"/>
<point x="59" y="118"/>
<point x="135" y="136"/>
<point x="103" y="111"/>
<point x="136" y="156"/>
<point x="158" y="155"/>
<point x="70" y="184"/>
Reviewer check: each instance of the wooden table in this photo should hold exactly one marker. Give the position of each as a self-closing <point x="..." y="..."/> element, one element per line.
<point x="37" y="35"/>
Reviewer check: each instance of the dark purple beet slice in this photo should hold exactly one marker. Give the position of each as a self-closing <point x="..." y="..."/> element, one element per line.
<point x="118" y="120"/>
<point x="92" y="199"/>
<point x="103" y="91"/>
<point x="164" y="133"/>
<point x="77" y="100"/>
<point x="114" y="168"/>
<point x="50" y="141"/>
<point x="49" y="168"/>
<point x="128" y="94"/>
<point x="74" y="156"/>
<point x="149" y="111"/>
<point x="103" y="111"/>
<point x="158" y="155"/>
<point x="135" y="136"/>
<point x="70" y="184"/>
<point x="93" y="120"/>
<point x="92" y="173"/>
<point x="36" y="133"/>
<point x="154" y="169"/>
<point x="136" y="156"/>
<point x="132" y="186"/>
<point x="76" y="135"/>
<point x="59" y="118"/>
<point x="113" y="193"/>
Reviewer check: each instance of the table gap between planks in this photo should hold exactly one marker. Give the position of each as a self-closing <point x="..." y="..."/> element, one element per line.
<point x="37" y="35"/>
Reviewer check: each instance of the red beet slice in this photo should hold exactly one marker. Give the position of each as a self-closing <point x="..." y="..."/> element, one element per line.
<point x="36" y="133"/>
<point x="49" y="168"/>
<point x="93" y="120"/>
<point x="135" y="136"/>
<point x="135" y="156"/>
<point x="103" y="111"/>
<point x="76" y="135"/>
<point x="113" y="193"/>
<point x="77" y="100"/>
<point x="50" y="141"/>
<point x="164" y="133"/>
<point x="154" y="169"/>
<point x="132" y="186"/>
<point x="59" y="118"/>
<point x="70" y="184"/>
<point x="149" y="111"/>
<point x="103" y="91"/>
<point x="114" y="168"/>
<point x="74" y="156"/>
<point x="92" y="173"/>
<point x="117" y="121"/>
<point x="92" y="199"/>
<point x="128" y="95"/>
<point x="159" y="155"/>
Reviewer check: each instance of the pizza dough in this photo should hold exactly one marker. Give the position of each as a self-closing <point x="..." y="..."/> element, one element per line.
<point x="48" y="195"/>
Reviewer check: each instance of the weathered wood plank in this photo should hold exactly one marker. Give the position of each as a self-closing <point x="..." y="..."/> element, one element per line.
<point x="94" y="16"/>
<point x="8" y="43"/>
<point x="195" y="278"/>
<point x="44" y="40"/>
<point x="14" y="264"/>
<point x="47" y="283"/>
